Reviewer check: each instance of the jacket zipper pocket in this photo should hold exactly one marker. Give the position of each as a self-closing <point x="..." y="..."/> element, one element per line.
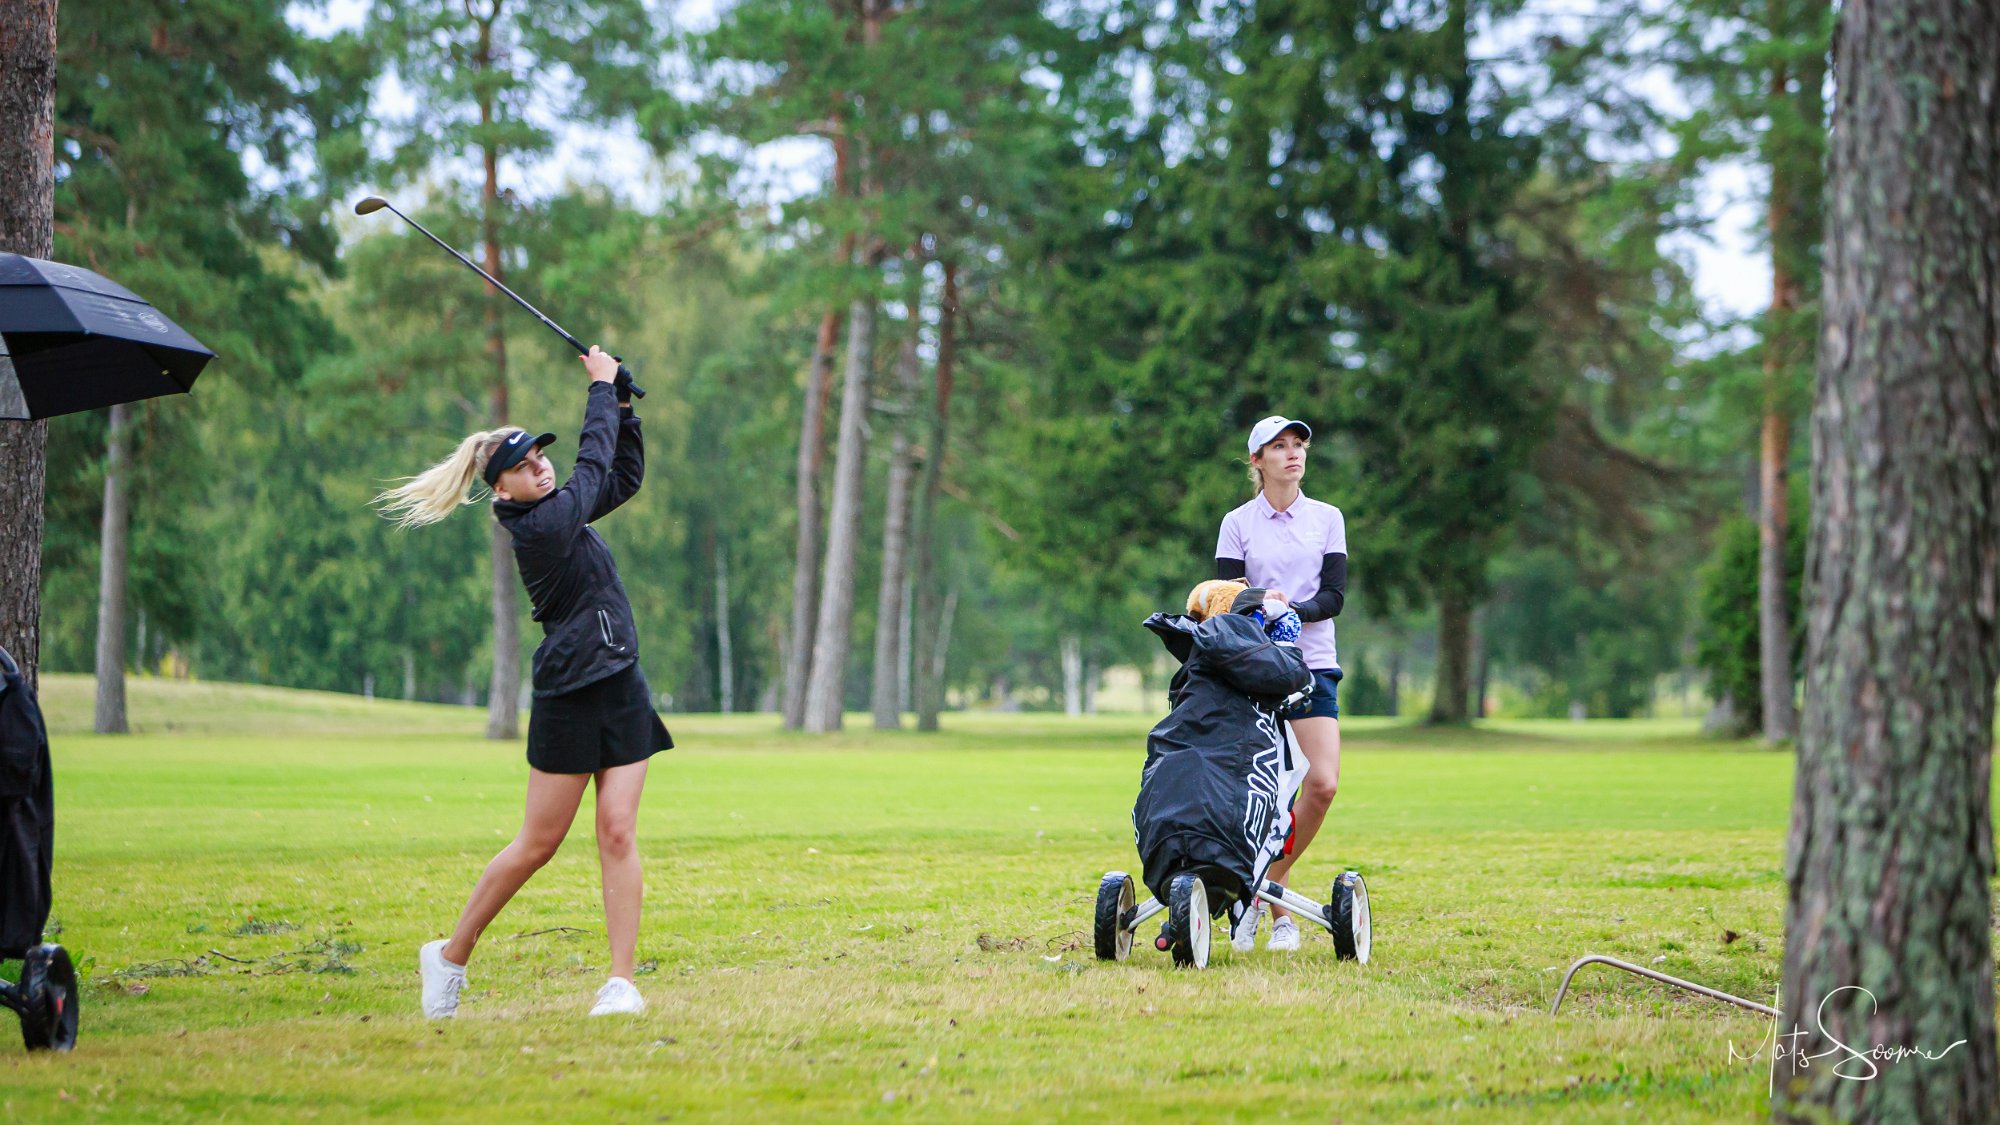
<point x="604" y="626"/>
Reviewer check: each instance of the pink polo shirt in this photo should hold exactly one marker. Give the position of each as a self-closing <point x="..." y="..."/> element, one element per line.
<point x="1283" y="551"/>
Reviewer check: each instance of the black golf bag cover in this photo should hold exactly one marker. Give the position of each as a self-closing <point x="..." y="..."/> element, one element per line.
<point x="1218" y="766"/>
<point x="27" y="815"/>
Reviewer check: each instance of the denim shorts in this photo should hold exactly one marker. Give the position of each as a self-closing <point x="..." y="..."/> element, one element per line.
<point x="1324" y="703"/>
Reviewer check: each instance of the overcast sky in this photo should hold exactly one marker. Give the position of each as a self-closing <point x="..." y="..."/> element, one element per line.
<point x="1730" y="275"/>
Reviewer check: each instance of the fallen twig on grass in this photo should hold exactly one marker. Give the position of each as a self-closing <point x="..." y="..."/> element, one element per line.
<point x="327" y="955"/>
<point x="227" y="957"/>
<point x="552" y="930"/>
<point x="164" y="967"/>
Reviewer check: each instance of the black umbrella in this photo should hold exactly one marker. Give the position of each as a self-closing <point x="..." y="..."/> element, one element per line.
<point x="71" y="340"/>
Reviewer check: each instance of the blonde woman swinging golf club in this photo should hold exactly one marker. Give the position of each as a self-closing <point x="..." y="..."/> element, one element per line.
<point x="592" y="716"/>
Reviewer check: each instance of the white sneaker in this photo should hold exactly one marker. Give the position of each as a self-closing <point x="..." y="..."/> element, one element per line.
<point x="618" y="997"/>
<point x="1284" y="936"/>
<point x="442" y="980"/>
<point x="1243" y="937"/>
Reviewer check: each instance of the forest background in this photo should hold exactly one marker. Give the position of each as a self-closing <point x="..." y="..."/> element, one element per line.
<point x="953" y="316"/>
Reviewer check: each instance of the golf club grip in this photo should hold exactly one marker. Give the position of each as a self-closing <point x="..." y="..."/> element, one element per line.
<point x="624" y="379"/>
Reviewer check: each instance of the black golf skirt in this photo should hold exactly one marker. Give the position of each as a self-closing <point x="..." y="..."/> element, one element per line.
<point x="596" y="727"/>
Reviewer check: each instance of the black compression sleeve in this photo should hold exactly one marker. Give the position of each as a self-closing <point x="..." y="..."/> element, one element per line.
<point x="1332" y="590"/>
<point x="1227" y="569"/>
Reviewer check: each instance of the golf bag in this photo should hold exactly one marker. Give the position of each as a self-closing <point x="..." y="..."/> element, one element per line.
<point x="1221" y="770"/>
<point x="45" y="998"/>
<point x="27" y="815"/>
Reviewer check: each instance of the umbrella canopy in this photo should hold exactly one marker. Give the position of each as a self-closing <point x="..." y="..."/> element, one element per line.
<point x="71" y="340"/>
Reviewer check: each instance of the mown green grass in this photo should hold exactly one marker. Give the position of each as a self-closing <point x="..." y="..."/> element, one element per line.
<point x="886" y="927"/>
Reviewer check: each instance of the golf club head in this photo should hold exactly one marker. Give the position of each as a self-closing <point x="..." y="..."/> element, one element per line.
<point x="370" y="205"/>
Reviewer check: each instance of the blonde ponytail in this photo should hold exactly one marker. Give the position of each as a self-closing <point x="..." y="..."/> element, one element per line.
<point x="437" y="491"/>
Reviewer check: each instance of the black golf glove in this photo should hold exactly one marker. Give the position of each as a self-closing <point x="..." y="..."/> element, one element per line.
<point x="623" y="385"/>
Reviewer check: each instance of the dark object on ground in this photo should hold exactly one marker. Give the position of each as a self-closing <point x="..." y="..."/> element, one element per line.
<point x="72" y="340"/>
<point x="46" y="998"/>
<point x="376" y="203"/>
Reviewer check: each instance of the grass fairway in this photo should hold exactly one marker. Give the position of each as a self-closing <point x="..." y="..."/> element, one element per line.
<point x="885" y="928"/>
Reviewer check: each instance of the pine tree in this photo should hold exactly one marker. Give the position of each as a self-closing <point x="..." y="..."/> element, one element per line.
<point x="154" y="191"/>
<point x="1306" y="218"/>
<point x="1761" y="68"/>
<point x="475" y="68"/>
<point x="1889" y="864"/>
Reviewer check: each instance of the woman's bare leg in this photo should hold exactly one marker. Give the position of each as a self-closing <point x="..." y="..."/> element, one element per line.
<point x="618" y="792"/>
<point x="552" y="802"/>
<point x="1319" y="740"/>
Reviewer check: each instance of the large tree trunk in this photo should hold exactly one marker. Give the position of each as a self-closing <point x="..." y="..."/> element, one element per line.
<point x="812" y="453"/>
<point x="1890" y="857"/>
<point x="27" y="226"/>
<point x="826" y="688"/>
<point x="886" y="696"/>
<point x="503" y="699"/>
<point x="1454" y="656"/>
<point x="933" y="635"/>
<point x="111" y="573"/>
<point x="725" y="659"/>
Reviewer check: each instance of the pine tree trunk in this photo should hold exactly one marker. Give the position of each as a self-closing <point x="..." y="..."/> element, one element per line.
<point x="503" y="698"/>
<point x="113" y="542"/>
<point x="1480" y="682"/>
<point x="27" y="226"/>
<point x="1774" y="617"/>
<point x="933" y="634"/>
<point x="725" y="660"/>
<point x="1395" y="682"/>
<point x="886" y="700"/>
<point x="1774" y="614"/>
<point x="805" y="557"/>
<point x="907" y="630"/>
<point x="826" y="687"/>
<point x="1072" y="674"/>
<point x="1454" y="654"/>
<point x="812" y="454"/>
<point x="1890" y="860"/>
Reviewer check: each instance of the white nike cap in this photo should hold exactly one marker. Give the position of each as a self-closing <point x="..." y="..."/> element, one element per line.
<point x="1267" y="430"/>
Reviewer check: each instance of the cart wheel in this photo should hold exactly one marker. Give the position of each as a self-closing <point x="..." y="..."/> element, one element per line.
<point x="1115" y="898"/>
<point x="1187" y="909"/>
<point x="1348" y="910"/>
<point x="48" y="999"/>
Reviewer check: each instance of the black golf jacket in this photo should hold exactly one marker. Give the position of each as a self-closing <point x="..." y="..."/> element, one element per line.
<point x="587" y="628"/>
<point x="1210" y="784"/>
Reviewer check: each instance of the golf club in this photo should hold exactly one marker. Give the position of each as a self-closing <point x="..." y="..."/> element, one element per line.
<point x="376" y="203"/>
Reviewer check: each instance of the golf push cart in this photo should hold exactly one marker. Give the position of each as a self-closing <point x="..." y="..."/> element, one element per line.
<point x="1215" y="803"/>
<point x="45" y="998"/>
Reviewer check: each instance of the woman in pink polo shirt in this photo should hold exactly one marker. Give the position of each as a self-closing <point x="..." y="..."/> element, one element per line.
<point x="1296" y="547"/>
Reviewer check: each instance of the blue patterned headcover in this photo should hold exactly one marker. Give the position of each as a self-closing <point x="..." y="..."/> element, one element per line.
<point x="1284" y="628"/>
